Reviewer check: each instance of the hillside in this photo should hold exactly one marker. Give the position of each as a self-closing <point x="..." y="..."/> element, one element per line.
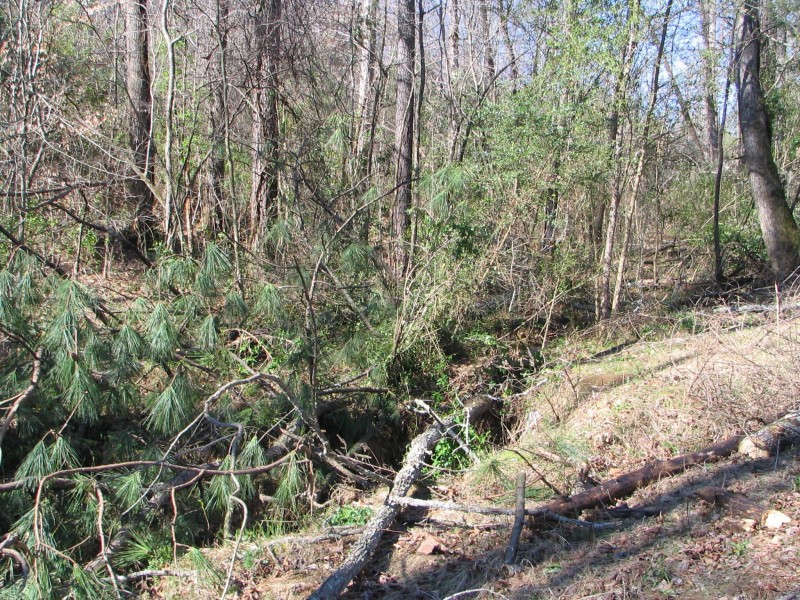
<point x="589" y="419"/>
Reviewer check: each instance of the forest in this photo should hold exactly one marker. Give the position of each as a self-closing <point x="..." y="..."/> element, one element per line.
<point x="247" y="245"/>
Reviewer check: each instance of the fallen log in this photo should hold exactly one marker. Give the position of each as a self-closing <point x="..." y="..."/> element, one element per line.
<point x="362" y="549"/>
<point x="768" y="440"/>
<point x="560" y="509"/>
<point x="620" y="487"/>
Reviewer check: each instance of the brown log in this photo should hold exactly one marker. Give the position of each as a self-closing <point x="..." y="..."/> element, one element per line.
<point x="737" y="504"/>
<point x="614" y="489"/>
<point x="363" y="548"/>
<point x="767" y="441"/>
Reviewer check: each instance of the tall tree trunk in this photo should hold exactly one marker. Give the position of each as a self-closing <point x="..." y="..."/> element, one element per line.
<point x="169" y="180"/>
<point x="778" y="227"/>
<point x="367" y="88"/>
<point x="264" y="191"/>
<point x="218" y="118"/>
<point x="505" y="13"/>
<point x="615" y="140"/>
<point x="453" y="65"/>
<point x="137" y="80"/>
<point x="708" y="21"/>
<point x="640" y="160"/>
<point x="404" y="133"/>
<point x="683" y="105"/>
<point x="488" y="46"/>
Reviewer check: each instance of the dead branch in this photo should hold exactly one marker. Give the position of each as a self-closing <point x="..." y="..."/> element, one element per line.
<point x="12" y="547"/>
<point x="24" y="395"/>
<point x="148" y="573"/>
<point x="454" y="506"/>
<point x="363" y="548"/>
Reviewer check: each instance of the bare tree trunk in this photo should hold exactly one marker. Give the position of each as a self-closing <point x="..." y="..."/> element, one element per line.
<point x="404" y="133"/>
<point x="778" y="227"/>
<point x="719" y="276"/>
<point x="264" y="191"/>
<point x="504" y="13"/>
<point x="488" y="46"/>
<point x="683" y="105"/>
<point x="708" y="21"/>
<point x="640" y="162"/>
<point x="615" y="139"/>
<point x="137" y="79"/>
<point x="453" y="56"/>
<point x="367" y="88"/>
<point x="169" y="192"/>
<point x="218" y="121"/>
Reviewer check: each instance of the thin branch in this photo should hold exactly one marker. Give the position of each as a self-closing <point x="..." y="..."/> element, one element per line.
<point x="24" y="395"/>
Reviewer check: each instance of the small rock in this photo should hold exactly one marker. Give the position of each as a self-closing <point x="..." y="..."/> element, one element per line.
<point x="748" y="524"/>
<point x="775" y="519"/>
<point x="431" y="545"/>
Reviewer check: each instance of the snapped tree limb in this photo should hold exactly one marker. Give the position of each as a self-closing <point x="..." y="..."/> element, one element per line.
<point x="417" y="453"/>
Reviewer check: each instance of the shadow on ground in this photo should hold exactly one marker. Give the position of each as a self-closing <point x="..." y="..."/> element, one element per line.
<point x="691" y="550"/>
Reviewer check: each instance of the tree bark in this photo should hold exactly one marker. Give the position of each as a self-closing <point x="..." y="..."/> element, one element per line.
<point x="404" y="133"/>
<point x="264" y="191"/>
<point x="218" y="121"/>
<point x="367" y="40"/>
<point x="505" y="13"/>
<point x="519" y="521"/>
<point x="453" y="52"/>
<point x="708" y="23"/>
<point x="362" y="550"/>
<point x="488" y="47"/>
<point x="137" y="79"/>
<point x="778" y="227"/>
<point x="615" y="140"/>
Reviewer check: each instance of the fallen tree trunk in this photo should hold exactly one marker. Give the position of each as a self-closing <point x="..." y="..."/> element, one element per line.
<point x="363" y="548"/>
<point x="560" y="509"/>
<point x="769" y="440"/>
<point x="614" y="489"/>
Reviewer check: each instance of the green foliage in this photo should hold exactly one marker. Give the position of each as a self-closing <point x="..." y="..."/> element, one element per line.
<point x="172" y="408"/>
<point x="145" y="550"/>
<point x="449" y="454"/>
<point x="161" y="334"/>
<point x="350" y="515"/>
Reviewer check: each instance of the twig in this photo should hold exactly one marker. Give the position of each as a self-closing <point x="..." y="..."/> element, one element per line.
<point x="24" y="395"/>
<point x="101" y="535"/>
<point x="147" y="573"/>
<point x="541" y="477"/>
<point x="234" y="498"/>
<point x="475" y="591"/>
